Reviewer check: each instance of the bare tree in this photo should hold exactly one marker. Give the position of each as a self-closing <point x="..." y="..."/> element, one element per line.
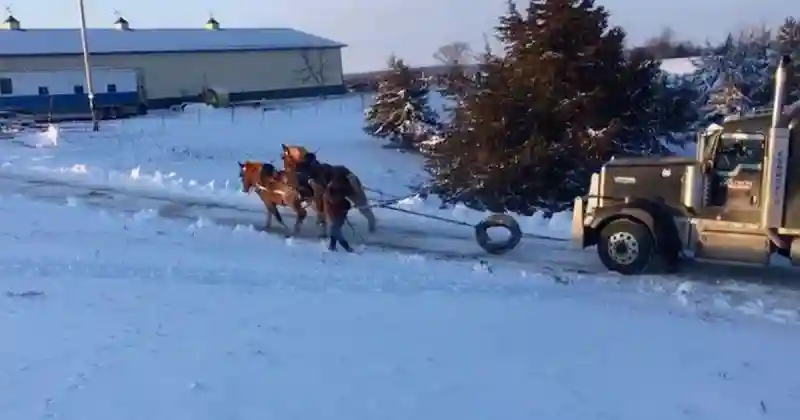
<point x="313" y="68"/>
<point x="487" y="50"/>
<point x="454" y="53"/>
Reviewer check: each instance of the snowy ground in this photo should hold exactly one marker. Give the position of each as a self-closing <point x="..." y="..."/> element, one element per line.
<point x="135" y="287"/>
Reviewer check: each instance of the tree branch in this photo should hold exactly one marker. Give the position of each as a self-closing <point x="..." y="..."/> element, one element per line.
<point x="313" y="68"/>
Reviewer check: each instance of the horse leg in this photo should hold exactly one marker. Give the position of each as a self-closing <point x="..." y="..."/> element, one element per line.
<point x="272" y="210"/>
<point x="319" y="207"/>
<point x="269" y="220"/>
<point x="300" y="215"/>
<point x="366" y="211"/>
<point x="322" y="221"/>
<point x="268" y="208"/>
<point x="360" y="200"/>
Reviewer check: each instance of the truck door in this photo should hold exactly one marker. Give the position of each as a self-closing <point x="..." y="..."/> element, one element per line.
<point x="736" y="177"/>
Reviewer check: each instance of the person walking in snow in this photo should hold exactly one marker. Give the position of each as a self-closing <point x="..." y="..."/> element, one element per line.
<point x="336" y="206"/>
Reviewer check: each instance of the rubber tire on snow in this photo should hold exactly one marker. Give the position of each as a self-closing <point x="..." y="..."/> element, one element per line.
<point x="498" y="220"/>
<point x="640" y="233"/>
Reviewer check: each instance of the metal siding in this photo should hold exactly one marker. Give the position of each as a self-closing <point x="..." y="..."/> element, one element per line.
<point x="66" y="103"/>
<point x="185" y="74"/>
<point x="37" y="42"/>
<point x="61" y="81"/>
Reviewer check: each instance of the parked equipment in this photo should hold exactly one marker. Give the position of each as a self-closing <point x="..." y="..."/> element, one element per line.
<point x="60" y="94"/>
<point x="737" y="201"/>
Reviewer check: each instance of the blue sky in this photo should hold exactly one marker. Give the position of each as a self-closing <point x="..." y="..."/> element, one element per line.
<point x="412" y="29"/>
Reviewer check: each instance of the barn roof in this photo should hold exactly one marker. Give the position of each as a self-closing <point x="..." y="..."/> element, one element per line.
<point x="39" y="42"/>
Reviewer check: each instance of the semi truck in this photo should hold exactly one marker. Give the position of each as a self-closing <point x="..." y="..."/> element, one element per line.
<point x="736" y="202"/>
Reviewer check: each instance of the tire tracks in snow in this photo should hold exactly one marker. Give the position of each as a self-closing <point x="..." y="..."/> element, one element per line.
<point x="439" y="243"/>
<point x="553" y="258"/>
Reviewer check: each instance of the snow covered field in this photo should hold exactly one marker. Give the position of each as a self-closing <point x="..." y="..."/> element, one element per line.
<point x="134" y="287"/>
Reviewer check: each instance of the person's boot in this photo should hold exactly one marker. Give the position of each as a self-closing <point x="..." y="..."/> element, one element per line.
<point x="346" y="246"/>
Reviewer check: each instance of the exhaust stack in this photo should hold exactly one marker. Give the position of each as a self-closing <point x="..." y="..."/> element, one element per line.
<point x="781" y="76"/>
<point x="777" y="159"/>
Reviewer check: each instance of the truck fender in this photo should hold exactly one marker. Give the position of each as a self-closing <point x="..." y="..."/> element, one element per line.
<point x="658" y="221"/>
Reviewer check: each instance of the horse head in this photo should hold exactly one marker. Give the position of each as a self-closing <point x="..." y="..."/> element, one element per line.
<point x="249" y="173"/>
<point x="294" y="155"/>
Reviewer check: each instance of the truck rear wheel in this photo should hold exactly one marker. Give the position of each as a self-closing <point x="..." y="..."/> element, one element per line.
<point x="626" y="247"/>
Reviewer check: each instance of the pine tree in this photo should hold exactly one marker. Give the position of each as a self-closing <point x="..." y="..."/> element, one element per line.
<point x="457" y="170"/>
<point x="560" y="102"/>
<point x="675" y="97"/>
<point x="788" y="36"/>
<point x="400" y="112"/>
<point x="457" y="83"/>
<point x="735" y="78"/>
<point x="788" y="40"/>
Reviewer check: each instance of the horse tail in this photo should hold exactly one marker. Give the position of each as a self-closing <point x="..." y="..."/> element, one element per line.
<point x="360" y="200"/>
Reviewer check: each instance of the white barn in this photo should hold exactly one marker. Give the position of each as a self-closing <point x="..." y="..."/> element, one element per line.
<point x="180" y="65"/>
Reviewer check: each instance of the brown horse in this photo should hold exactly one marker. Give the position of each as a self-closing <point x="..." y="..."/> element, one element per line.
<point x="303" y="168"/>
<point x="274" y="190"/>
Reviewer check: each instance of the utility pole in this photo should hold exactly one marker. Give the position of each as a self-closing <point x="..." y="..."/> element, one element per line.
<point x="87" y="68"/>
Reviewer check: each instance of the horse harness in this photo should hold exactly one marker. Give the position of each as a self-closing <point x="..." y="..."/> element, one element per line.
<point x="265" y="173"/>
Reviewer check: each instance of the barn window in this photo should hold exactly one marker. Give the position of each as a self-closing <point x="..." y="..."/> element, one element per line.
<point x="6" y="87"/>
<point x="43" y="90"/>
<point x="112" y="88"/>
<point x="78" y="89"/>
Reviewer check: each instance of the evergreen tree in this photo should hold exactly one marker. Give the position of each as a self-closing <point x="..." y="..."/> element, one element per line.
<point x="400" y="112"/>
<point x="725" y="47"/>
<point x="561" y="101"/>
<point x="453" y="87"/>
<point x="788" y="42"/>
<point x="457" y="170"/>
<point x="675" y="107"/>
<point x="457" y="83"/>
<point x="735" y="78"/>
<point x="788" y="36"/>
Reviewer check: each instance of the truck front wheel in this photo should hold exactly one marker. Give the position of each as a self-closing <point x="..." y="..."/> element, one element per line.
<point x="626" y="247"/>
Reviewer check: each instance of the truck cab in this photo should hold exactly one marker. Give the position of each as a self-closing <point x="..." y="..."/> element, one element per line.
<point x="736" y="201"/>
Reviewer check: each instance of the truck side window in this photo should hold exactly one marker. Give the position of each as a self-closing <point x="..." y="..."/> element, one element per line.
<point x="748" y="155"/>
